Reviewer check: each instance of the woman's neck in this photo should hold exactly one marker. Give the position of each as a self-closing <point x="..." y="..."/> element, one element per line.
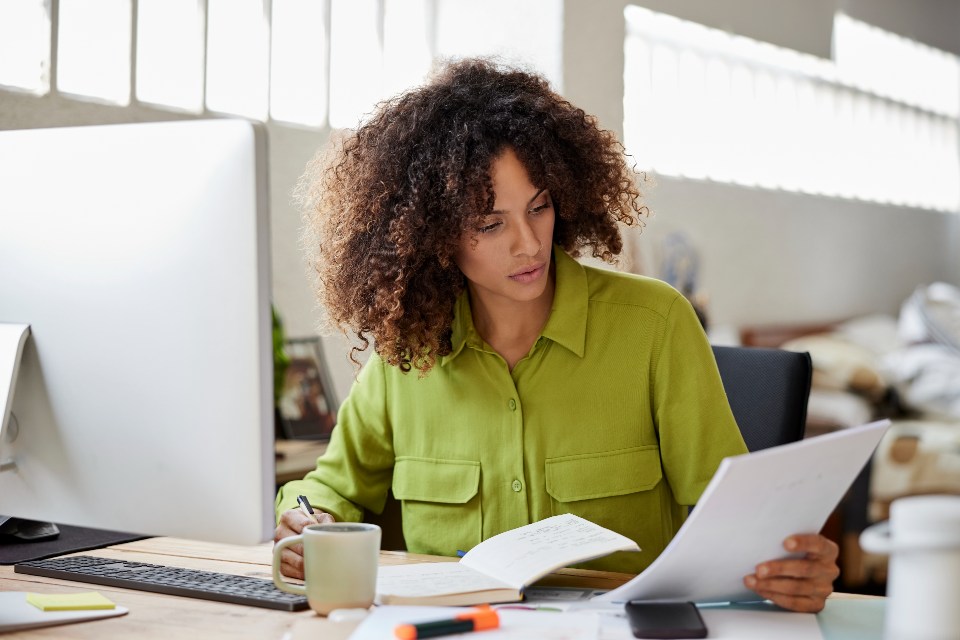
<point x="511" y="327"/>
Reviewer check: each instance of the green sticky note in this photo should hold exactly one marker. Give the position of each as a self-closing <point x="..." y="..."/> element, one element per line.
<point x="69" y="601"/>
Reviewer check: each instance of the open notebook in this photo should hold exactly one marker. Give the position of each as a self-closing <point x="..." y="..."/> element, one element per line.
<point x="497" y="569"/>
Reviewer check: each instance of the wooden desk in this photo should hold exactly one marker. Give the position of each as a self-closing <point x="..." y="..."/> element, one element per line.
<point x="160" y="616"/>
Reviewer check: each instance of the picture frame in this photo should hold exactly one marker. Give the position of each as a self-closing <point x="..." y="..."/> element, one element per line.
<point x="307" y="407"/>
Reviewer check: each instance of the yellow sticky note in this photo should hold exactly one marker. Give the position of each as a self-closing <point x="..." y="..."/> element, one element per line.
<point x="69" y="601"/>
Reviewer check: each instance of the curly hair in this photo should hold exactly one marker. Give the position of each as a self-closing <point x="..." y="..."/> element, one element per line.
<point x="385" y="205"/>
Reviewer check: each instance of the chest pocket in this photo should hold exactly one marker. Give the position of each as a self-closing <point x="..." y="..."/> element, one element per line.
<point x="441" y="503"/>
<point x="615" y="489"/>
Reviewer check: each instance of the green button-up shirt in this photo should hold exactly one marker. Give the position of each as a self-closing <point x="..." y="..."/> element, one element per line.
<point x="617" y="414"/>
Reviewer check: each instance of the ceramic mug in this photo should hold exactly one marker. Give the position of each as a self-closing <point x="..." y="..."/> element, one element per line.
<point x="340" y="565"/>
<point x="922" y="539"/>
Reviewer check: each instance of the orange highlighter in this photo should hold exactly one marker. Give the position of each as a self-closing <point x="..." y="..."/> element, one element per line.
<point x="476" y="620"/>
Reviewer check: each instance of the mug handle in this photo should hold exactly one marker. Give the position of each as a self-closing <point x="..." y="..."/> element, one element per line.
<point x="876" y="538"/>
<point x="278" y="580"/>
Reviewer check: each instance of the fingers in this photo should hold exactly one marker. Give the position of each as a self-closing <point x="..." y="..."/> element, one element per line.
<point x="799" y="604"/>
<point x="815" y="588"/>
<point x="799" y="584"/>
<point x="323" y="517"/>
<point x="291" y="563"/>
<point x="292" y="523"/>
<point x="796" y="594"/>
<point x="809" y="568"/>
<point x="819" y="560"/>
<point x="812" y="544"/>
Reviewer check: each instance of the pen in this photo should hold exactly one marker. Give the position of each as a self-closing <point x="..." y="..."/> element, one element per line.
<point x="477" y="620"/>
<point x="307" y="509"/>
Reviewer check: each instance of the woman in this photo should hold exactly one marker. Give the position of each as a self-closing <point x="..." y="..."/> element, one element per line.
<point x="510" y="383"/>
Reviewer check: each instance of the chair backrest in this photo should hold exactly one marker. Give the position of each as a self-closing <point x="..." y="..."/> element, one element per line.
<point x="768" y="391"/>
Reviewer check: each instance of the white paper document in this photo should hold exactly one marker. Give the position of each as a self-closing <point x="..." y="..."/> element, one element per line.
<point x="752" y="504"/>
<point x="514" y="625"/>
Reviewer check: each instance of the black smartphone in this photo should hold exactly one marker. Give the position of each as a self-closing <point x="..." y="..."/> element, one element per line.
<point x="665" y="620"/>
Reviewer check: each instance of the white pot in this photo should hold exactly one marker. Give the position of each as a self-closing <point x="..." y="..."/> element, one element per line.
<point x="922" y="539"/>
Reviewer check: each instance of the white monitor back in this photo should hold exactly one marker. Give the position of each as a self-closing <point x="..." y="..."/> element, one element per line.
<point x="138" y="255"/>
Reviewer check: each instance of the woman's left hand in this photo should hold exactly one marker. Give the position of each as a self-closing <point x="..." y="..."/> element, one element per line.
<point x="799" y="584"/>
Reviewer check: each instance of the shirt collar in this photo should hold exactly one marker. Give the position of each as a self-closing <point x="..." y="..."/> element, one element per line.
<point x="463" y="330"/>
<point x="567" y="325"/>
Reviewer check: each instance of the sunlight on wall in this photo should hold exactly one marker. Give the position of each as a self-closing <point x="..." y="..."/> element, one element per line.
<point x="700" y="103"/>
<point x="25" y="46"/>
<point x="238" y="52"/>
<point x="298" y="62"/>
<point x="529" y="33"/>
<point x="170" y="43"/>
<point x="310" y="62"/>
<point x="94" y="49"/>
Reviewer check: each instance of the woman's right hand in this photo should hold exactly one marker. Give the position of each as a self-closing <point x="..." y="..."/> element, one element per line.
<point x="292" y="523"/>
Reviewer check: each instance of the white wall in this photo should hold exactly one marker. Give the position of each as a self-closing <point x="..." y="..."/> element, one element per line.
<point x="771" y="257"/>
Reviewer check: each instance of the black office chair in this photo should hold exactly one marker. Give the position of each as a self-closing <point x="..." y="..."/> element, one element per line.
<point x="768" y="391"/>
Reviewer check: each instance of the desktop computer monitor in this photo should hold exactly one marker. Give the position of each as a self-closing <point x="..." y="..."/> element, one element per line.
<point x="138" y="256"/>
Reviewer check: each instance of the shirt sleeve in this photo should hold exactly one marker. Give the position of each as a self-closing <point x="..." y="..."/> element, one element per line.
<point x="694" y="422"/>
<point x="355" y="472"/>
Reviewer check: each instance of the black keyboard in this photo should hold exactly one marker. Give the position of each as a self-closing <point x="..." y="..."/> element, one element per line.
<point x="192" y="583"/>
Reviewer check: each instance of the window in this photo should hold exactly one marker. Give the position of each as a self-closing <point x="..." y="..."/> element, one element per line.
<point x="356" y="60"/>
<point x="888" y="65"/>
<point x="238" y="42"/>
<point x="25" y="45"/>
<point x="407" y="53"/>
<point x="170" y="42"/>
<point x="298" y="62"/>
<point x="93" y="49"/>
<point x="309" y="62"/>
<point x="703" y="104"/>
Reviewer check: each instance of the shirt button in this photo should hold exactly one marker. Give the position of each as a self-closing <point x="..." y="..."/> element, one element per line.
<point x="512" y="404"/>
<point x="517" y="486"/>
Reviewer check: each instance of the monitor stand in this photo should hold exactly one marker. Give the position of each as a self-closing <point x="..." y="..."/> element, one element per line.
<point x="17" y="530"/>
<point x="12" y="339"/>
